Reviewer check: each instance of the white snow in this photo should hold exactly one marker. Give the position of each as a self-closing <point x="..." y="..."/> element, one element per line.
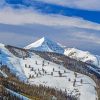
<point x="87" y="89"/>
<point x="12" y="62"/>
<point x="84" y="91"/>
<point x="45" y="44"/>
<point x="84" y="56"/>
<point x="36" y="44"/>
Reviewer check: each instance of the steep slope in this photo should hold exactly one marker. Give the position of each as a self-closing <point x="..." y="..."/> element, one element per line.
<point x="39" y="71"/>
<point x="84" y="56"/>
<point x="7" y="58"/>
<point x="45" y="44"/>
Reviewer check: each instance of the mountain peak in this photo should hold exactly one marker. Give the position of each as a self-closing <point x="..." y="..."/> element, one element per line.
<point x="45" y="44"/>
<point x="44" y="39"/>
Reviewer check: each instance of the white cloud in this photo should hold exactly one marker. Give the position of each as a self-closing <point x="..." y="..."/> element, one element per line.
<point x="20" y="17"/>
<point x="81" y="4"/>
<point x="88" y="37"/>
<point x="71" y="27"/>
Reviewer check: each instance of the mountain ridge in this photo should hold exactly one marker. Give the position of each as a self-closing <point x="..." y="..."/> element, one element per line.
<point x="85" y="56"/>
<point x="45" y="44"/>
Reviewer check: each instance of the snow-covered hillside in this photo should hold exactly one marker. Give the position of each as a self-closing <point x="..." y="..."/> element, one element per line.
<point x="45" y="44"/>
<point x="48" y="45"/>
<point x="37" y="70"/>
<point x="11" y="61"/>
<point x="84" y="56"/>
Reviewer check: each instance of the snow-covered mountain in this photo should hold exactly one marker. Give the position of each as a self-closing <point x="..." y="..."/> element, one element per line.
<point x="37" y="70"/>
<point x="45" y="44"/>
<point x="84" y="56"/>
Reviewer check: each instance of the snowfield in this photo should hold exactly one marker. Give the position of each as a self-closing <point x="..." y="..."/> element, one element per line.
<point x="83" y="91"/>
<point x="37" y="70"/>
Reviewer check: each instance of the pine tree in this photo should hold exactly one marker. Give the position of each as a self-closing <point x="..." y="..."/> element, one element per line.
<point x="81" y="81"/>
<point x="53" y="69"/>
<point x="36" y="62"/>
<point x="32" y="69"/>
<point x="69" y="79"/>
<point x="43" y="70"/>
<point x="29" y="66"/>
<point x="60" y="74"/>
<point x="64" y="71"/>
<point x="74" y="82"/>
<point x="52" y="73"/>
<point x="42" y="64"/>
<point x="30" y="76"/>
<point x="25" y="65"/>
<point x="36" y="75"/>
<point x="75" y="74"/>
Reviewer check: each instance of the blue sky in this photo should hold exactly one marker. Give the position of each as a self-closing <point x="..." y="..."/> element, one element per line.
<point x="74" y="23"/>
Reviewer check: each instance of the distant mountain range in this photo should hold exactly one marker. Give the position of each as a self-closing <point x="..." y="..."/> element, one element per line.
<point x="45" y="44"/>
